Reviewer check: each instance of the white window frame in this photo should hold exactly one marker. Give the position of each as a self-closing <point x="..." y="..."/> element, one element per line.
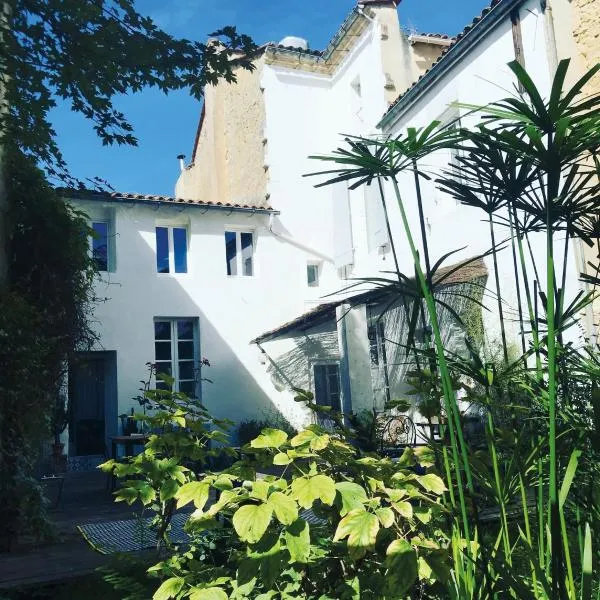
<point x="320" y="363"/>
<point x="238" y="251"/>
<point x="175" y="351"/>
<point x="109" y="243"/>
<point x="171" y="248"/>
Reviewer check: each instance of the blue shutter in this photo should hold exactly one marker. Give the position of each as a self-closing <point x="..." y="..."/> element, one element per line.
<point x="377" y="234"/>
<point x="342" y="226"/>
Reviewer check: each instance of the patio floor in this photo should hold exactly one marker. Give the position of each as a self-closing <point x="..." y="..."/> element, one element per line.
<point x="85" y="499"/>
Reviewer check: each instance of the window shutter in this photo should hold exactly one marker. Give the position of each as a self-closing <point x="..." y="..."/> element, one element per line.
<point x="377" y="235"/>
<point x="342" y="226"/>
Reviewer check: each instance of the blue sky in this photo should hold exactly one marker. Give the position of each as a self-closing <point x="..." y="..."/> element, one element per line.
<point x="166" y="125"/>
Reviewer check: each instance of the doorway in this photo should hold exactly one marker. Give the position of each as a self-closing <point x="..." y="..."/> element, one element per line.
<point x="93" y="403"/>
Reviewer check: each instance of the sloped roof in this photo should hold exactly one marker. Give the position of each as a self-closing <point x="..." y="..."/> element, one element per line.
<point x="153" y="198"/>
<point x="480" y="24"/>
<point x="470" y="270"/>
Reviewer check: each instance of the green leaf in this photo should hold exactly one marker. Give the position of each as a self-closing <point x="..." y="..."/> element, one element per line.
<point x="587" y="572"/>
<point x="353" y="496"/>
<point x="297" y="541"/>
<point x="169" y="588"/>
<point x="270" y="438"/>
<point x="432" y="483"/>
<point x="317" y="441"/>
<point x="308" y="489"/>
<point x="196" y="491"/>
<point x="402" y="567"/>
<point x="246" y="577"/>
<point x="285" y="508"/>
<point x="211" y="593"/>
<point x="425" y="456"/>
<point x="385" y="516"/>
<point x="281" y="459"/>
<point x="168" y="490"/>
<point x="569" y="476"/>
<point x="360" y="527"/>
<point x="423" y="514"/>
<point x="251" y="521"/>
<point x="404" y="509"/>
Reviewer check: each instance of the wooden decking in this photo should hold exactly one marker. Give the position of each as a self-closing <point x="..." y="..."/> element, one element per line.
<point x="85" y="499"/>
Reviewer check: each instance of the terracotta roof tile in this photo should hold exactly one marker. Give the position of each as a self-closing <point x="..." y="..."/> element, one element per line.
<point x="125" y="196"/>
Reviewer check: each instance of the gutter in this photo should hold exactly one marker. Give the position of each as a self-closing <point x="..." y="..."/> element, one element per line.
<point x="454" y="54"/>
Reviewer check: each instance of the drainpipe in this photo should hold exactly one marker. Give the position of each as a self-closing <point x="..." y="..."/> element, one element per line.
<point x="551" y="50"/>
<point x="297" y="243"/>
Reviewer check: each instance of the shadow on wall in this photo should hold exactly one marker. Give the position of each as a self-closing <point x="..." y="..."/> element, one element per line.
<point x="138" y="295"/>
<point x="293" y="367"/>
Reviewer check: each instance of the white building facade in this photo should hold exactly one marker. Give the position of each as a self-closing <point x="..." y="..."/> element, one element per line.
<point x="244" y="265"/>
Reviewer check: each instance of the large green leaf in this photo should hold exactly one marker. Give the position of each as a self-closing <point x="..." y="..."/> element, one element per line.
<point x="211" y="593"/>
<point x="432" y="483"/>
<point x="196" y="491"/>
<point x="316" y="440"/>
<point x="360" y="527"/>
<point x="353" y="496"/>
<point x="569" y="476"/>
<point x="385" y="516"/>
<point x="402" y="568"/>
<point x="168" y="490"/>
<point x="169" y="588"/>
<point x="404" y="509"/>
<point x="286" y="509"/>
<point x="270" y="438"/>
<point x="251" y="521"/>
<point x="297" y="541"/>
<point x="308" y="489"/>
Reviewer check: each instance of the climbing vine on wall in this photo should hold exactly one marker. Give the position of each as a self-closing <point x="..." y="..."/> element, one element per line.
<point x="44" y="319"/>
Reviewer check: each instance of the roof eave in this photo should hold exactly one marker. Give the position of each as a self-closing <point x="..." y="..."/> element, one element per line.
<point x="180" y="204"/>
<point x="482" y="28"/>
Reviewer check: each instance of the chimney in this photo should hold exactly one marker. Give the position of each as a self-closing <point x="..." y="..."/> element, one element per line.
<point x="180" y="157"/>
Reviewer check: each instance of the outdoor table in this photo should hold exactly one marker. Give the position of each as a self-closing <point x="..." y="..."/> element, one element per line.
<point x="128" y="442"/>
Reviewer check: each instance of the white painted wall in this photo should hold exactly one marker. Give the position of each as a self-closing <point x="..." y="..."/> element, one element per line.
<point x="231" y="310"/>
<point x="480" y="78"/>
<point x="305" y="115"/>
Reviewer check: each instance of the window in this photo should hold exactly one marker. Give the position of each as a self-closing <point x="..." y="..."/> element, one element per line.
<point x="312" y="274"/>
<point x="100" y="245"/>
<point x="327" y="385"/>
<point x="171" y="250"/>
<point x="239" y="253"/>
<point x="176" y="353"/>
<point x="376" y="334"/>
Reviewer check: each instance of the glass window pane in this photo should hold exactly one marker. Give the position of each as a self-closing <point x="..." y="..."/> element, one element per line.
<point x="186" y="369"/>
<point x="231" y="252"/>
<point x="312" y="275"/>
<point x="321" y="385"/>
<point x="188" y="387"/>
<point x="186" y="350"/>
<point x="100" y="245"/>
<point x="247" y="251"/>
<point x="162" y="330"/>
<point x="163" y="368"/>
<point x="162" y="350"/>
<point x="185" y="329"/>
<point x="180" y="249"/>
<point x="162" y="250"/>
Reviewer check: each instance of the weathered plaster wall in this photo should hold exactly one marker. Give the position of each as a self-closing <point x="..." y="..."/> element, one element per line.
<point x="229" y="160"/>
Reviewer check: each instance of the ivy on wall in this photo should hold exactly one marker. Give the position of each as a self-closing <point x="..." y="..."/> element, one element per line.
<point x="44" y="319"/>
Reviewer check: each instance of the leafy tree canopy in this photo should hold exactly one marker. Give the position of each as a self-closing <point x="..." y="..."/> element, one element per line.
<point x="89" y="52"/>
